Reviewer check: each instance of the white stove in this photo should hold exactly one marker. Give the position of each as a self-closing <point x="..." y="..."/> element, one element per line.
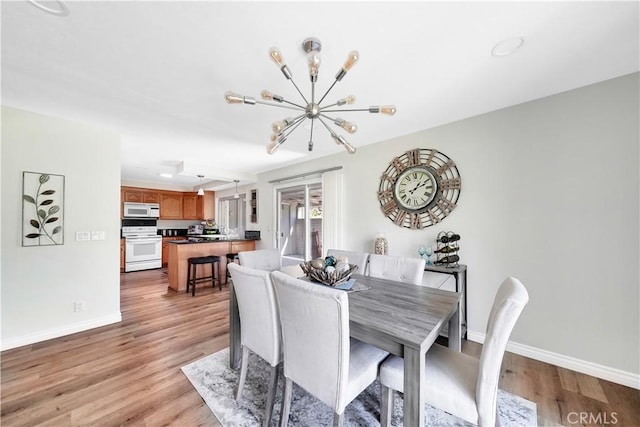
<point x="143" y="248"/>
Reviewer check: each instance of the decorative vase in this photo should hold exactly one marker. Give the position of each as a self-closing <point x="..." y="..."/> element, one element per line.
<point x="381" y="246"/>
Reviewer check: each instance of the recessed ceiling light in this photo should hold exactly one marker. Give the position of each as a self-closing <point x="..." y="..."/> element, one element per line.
<point x="507" y="46"/>
<point x="61" y="10"/>
<point x="166" y="175"/>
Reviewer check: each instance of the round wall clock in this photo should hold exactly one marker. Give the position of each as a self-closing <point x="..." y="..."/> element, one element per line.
<point x="419" y="188"/>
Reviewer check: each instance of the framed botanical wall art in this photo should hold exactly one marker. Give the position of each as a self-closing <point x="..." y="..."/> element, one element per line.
<point x="42" y="209"/>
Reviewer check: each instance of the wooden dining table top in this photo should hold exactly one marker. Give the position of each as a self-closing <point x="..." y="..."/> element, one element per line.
<point x="406" y="314"/>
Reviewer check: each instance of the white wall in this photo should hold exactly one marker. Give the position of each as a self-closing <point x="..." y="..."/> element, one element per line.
<point x="550" y="194"/>
<point x="41" y="284"/>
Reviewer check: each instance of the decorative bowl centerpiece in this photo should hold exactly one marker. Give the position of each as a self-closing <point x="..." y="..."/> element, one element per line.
<point x="330" y="271"/>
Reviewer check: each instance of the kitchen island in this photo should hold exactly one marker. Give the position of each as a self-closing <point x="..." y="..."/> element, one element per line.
<point x="181" y="250"/>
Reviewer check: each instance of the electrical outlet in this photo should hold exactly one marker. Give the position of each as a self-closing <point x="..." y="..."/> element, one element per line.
<point x="97" y="235"/>
<point x="79" y="306"/>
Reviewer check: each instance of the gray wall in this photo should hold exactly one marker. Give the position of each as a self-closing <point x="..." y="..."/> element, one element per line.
<point x="41" y="284"/>
<point x="550" y="194"/>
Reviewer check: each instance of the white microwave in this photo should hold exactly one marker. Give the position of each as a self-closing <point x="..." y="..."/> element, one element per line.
<point x="141" y="210"/>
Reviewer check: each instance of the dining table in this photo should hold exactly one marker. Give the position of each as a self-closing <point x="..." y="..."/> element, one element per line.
<point x="401" y="318"/>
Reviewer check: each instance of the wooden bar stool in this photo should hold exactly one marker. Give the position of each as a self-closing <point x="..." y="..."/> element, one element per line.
<point x="192" y="278"/>
<point x="231" y="257"/>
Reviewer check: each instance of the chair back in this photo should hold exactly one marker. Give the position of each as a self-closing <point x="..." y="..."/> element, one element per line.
<point x="258" y="310"/>
<point x="400" y="269"/>
<point x="261" y="259"/>
<point x="509" y="302"/>
<point x="361" y="259"/>
<point x="315" y="336"/>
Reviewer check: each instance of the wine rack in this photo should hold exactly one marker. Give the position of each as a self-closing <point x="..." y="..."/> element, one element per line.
<point x="447" y="249"/>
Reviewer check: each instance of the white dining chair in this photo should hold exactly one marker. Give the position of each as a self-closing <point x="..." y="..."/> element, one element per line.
<point x="455" y="382"/>
<point x="361" y="259"/>
<point x="318" y="353"/>
<point x="260" y="325"/>
<point x="400" y="269"/>
<point x="261" y="259"/>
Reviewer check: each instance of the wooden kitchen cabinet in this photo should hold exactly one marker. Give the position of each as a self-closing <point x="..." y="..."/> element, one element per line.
<point x="198" y="207"/>
<point x="122" y="249"/>
<point x="165" y="247"/>
<point x="242" y="246"/>
<point x="170" y="205"/>
<point x="139" y="195"/>
<point x="190" y="206"/>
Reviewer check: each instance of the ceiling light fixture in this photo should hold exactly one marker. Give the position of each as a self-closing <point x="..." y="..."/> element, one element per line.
<point x="311" y="108"/>
<point x="62" y="11"/>
<point x="236" y="195"/>
<point x="507" y="46"/>
<point x="165" y="175"/>
<point x="200" y="190"/>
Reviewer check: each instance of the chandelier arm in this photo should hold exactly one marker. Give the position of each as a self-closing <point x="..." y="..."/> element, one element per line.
<point x="311" y="136"/>
<point x="298" y="89"/>
<point x="292" y="128"/>
<point x="333" y="134"/>
<point x="328" y="90"/>
<point x="348" y="109"/>
<point x="327" y="117"/>
<point x="329" y="106"/>
<point x="297" y="107"/>
<point x="302" y="107"/>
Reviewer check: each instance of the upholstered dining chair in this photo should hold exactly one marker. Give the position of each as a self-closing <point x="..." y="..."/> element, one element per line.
<point x="261" y="259"/>
<point x="400" y="269"/>
<point x="318" y="353"/>
<point x="455" y="382"/>
<point x="260" y="325"/>
<point x="361" y="259"/>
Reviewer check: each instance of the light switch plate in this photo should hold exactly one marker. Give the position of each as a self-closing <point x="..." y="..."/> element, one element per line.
<point x="82" y="236"/>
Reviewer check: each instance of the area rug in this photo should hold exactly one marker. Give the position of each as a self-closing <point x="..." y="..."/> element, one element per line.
<point x="216" y="382"/>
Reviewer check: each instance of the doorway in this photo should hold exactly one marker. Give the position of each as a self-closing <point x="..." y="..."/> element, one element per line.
<point x="299" y="236"/>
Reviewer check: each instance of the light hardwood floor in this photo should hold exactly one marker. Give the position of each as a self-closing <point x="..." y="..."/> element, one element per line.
<point x="129" y="373"/>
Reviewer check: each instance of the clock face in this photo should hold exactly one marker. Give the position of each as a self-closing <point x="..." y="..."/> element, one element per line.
<point x="419" y="188"/>
<point x="415" y="188"/>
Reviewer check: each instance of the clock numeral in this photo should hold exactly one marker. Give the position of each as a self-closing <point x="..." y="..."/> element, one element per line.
<point x="385" y="195"/>
<point x="433" y="217"/>
<point x="414" y="157"/>
<point x="446" y="205"/>
<point x="445" y="167"/>
<point x="389" y="207"/>
<point x="450" y="184"/>
<point x="397" y="163"/>
<point x="400" y="217"/>
<point x="415" y="221"/>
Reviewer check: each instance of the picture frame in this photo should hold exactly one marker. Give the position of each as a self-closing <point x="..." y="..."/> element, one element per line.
<point x="42" y="209"/>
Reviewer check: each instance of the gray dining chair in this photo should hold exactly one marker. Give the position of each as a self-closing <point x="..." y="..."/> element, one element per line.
<point x="361" y="259"/>
<point x="260" y="325"/>
<point x="400" y="269"/>
<point x="261" y="259"/>
<point x="455" y="382"/>
<point x="318" y="353"/>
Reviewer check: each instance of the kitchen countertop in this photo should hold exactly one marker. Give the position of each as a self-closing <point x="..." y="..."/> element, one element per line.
<point x="187" y="242"/>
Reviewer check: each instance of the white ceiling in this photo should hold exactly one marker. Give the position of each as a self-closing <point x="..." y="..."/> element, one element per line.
<point x="156" y="72"/>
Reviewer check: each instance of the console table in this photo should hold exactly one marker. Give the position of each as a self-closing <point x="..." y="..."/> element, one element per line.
<point x="460" y="275"/>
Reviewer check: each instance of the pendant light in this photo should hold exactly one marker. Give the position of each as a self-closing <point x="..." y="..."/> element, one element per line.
<point x="200" y="190"/>
<point x="236" y="195"/>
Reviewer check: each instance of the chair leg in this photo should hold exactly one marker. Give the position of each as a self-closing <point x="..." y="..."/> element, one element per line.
<point x="338" y="419"/>
<point x="271" y="396"/>
<point x="213" y="276"/>
<point x="218" y="276"/>
<point x="193" y="283"/>
<point x="286" y="402"/>
<point x="386" y="406"/>
<point x="243" y="371"/>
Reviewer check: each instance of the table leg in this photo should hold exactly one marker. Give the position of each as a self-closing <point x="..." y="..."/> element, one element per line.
<point x="455" y="341"/>
<point x="413" y="387"/>
<point x="235" y="353"/>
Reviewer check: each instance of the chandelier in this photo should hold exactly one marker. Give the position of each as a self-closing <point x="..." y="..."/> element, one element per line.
<point x="310" y="109"/>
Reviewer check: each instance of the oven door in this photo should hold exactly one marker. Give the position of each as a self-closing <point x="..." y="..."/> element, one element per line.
<point x="143" y="253"/>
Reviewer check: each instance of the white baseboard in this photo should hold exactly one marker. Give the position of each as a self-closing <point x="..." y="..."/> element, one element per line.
<point x="617" y="376"/>
<point x="10" y="343"/>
